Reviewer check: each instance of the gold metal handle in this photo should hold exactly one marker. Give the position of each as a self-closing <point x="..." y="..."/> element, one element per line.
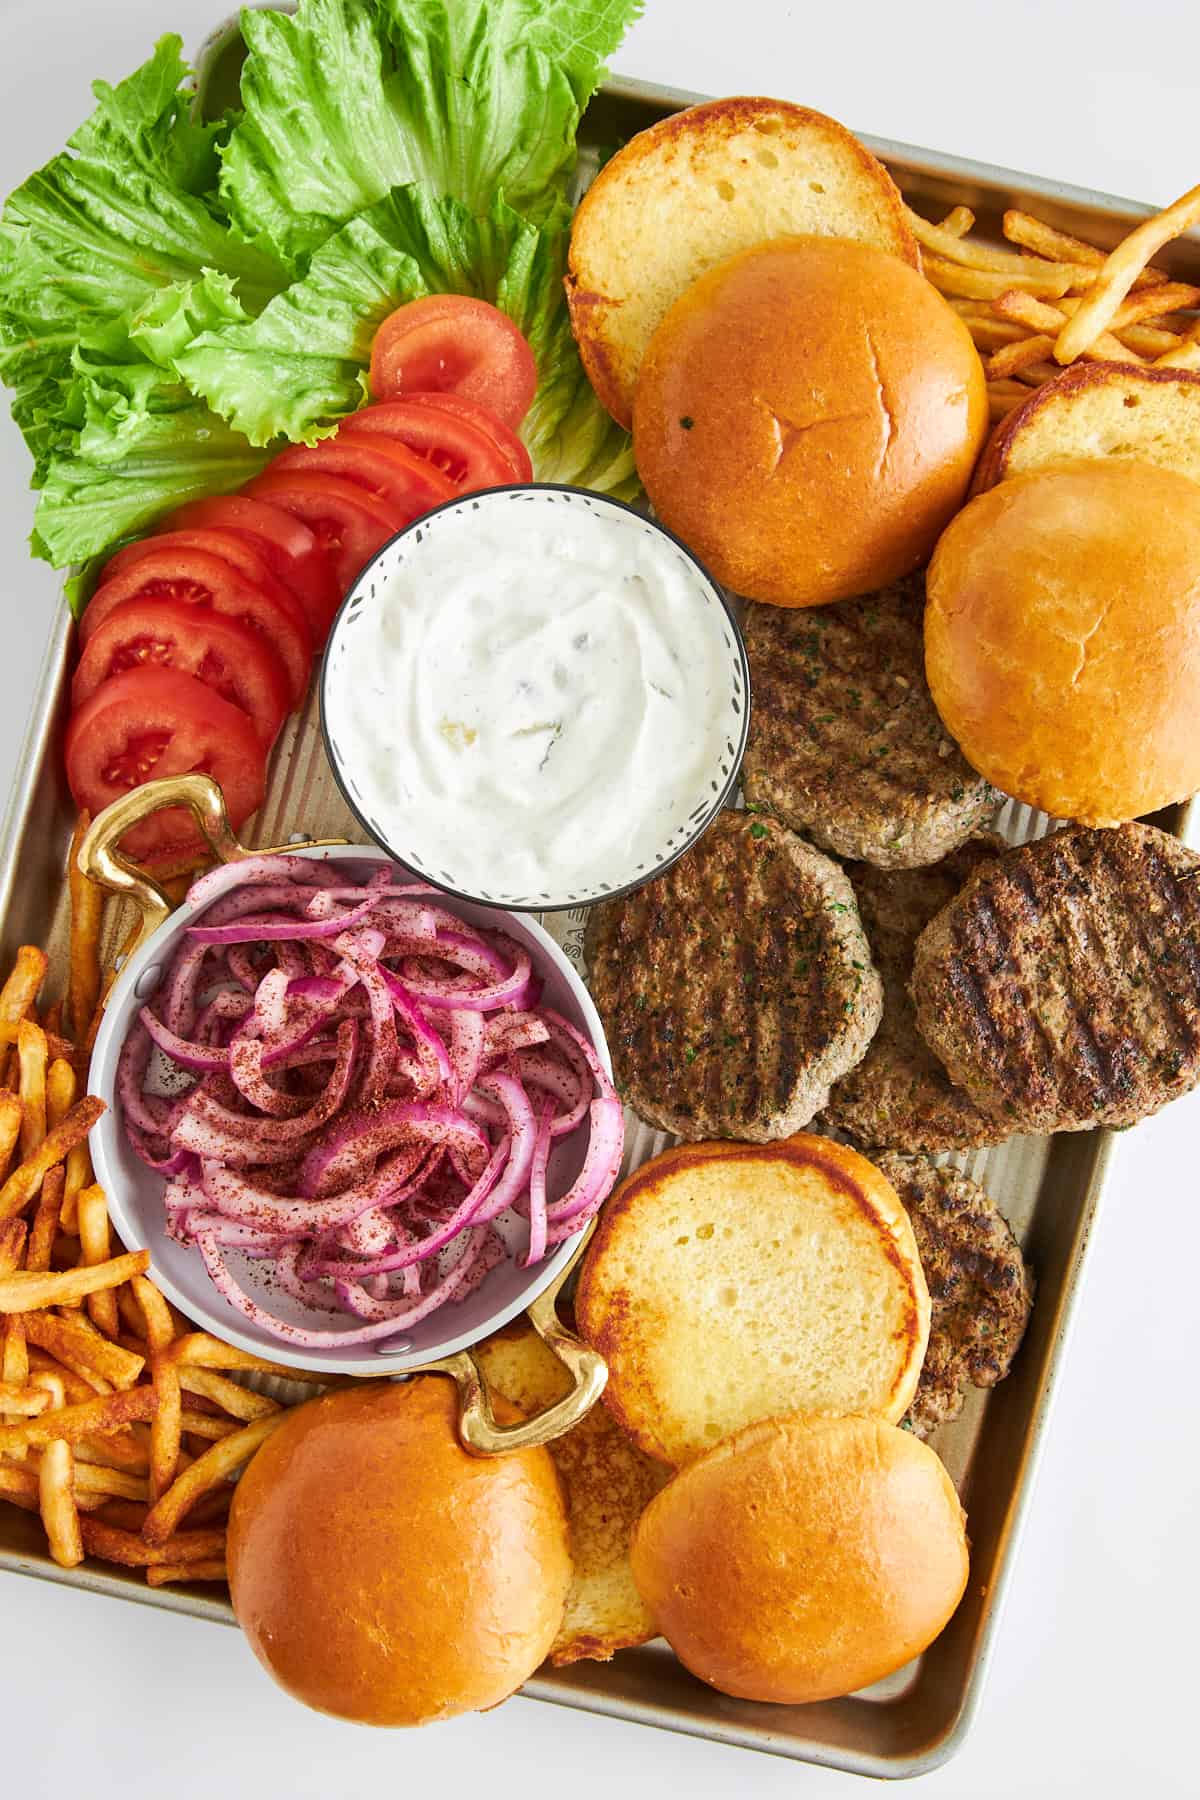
<point x="101" y="861"/>
<point x="478" y="1428"/>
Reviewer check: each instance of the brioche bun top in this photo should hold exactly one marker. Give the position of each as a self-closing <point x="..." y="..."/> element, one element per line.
<point x="807" y="419"/>
<point x="1062" y="638"/>
<point x="384" y="1575"/>
<point x="803" y="1558"/>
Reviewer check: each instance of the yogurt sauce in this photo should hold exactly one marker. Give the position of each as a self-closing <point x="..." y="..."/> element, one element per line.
<point x="539" y="696"/>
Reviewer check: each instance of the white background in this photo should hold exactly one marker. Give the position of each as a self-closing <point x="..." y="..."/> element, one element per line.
<point x="1092" y="1688"/>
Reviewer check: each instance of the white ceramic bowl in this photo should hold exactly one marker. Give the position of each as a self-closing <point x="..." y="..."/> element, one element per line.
<point x="135" y="1192"/>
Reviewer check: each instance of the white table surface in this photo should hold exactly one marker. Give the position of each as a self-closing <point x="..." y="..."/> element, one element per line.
<point x="1092" y="1682"/>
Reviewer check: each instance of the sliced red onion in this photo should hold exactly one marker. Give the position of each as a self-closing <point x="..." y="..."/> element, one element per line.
<point x="237" y="1198"/>
<point x="370" y="1235"/>
<point x="361" y="1137"/>
<point x="537" y="1186"/>
<point x="523" y="1130"/>
<point x="465" y="1041"/>
<point x="499" y="988"/>
<point x="511" y="1031"/>
<point x="421" y="1249"/>
<point x="601" y="1166"/>
<point x="185" y="1051"/>
<point x="254" y="871"/>
<point x="431" y="1048"/>
<point x="149" y="1112"/>
<point x="572" y="1085"/>
<point x="176" y="999"/>
<point x="249" y="1077"/>
<point x="405" y="1312"/>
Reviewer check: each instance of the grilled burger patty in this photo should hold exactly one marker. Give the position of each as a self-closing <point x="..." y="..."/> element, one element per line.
<point x="1061" y="987"/>
<point x="900" y="1096"/>
<point x="980" y="1286"/>
<point x="737" y="986"/>
<point x="845" y="744"/>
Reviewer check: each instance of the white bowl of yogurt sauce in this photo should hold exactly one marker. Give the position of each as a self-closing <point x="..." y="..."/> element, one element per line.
<point x="535" y="697"/>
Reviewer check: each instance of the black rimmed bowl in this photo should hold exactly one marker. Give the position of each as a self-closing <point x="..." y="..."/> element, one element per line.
<point x="438" y="858"/>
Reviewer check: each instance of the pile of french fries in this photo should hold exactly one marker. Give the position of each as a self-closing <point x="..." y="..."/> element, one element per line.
<point x="1036" y="309"/>
<point x="119" y="1424"/>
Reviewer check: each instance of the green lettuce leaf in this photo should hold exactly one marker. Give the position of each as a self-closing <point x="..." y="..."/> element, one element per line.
<point x="135" y="461"/>
<point x="301" y="365"/>
<point x="352" y="98"/>
<point x="128" y="210"/>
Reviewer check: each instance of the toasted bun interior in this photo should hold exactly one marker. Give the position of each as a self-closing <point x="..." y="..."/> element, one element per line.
<point x="384" y="1575"/>
<point x="696" y="188"/>
<point x="728" y="1282"/>
<point x="804" y="1558"/>
<point x="1062" y="638"/>
<point x="807" y="418"/>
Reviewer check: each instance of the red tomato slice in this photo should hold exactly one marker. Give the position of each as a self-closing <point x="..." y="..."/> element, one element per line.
<point x="231" y="547"/>
<point x="287" y="543"/>
<point x="449" y="344"/>
<point x="206" y="581"/>
<point x="224" y="654"/>
<point x="348" y="521"/>
<point x="503" y="436"/>
<point x="407" y="485"/>
<point x="149" y="722"/>
<point x="457" y="449"/>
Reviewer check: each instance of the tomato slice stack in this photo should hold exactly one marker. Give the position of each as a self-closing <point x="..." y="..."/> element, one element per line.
<point x="199" y="638"/>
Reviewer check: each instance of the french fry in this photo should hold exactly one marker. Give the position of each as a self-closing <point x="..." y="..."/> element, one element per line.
<point x="77" y="1344"/>
<point x="45" y="1220"/>
<point x="87" y="905"/>
<point x="205" y="1425"/>
<point x="10" y="1128"/>
<point x="106" y="1413"/>
<point x="62" y="1090"/>
<point x="119" y="1450"/>
<point x="113" y="1484"/>
<point x="198" y="1349"/>
<point x="24" y="1292"/>
<point x="22" y="1402"/>
<point x="12" y="1245"/>
<point x="1059" y="246"/>
<point x="25" y="1180"/>
<point x="210" y="1569"/>
<point x="126" y="1515"/>
<point x="51" y="1383"/>
<point x="1121" y="268"/>
<point x="230" y="1396"/>
<point x="76" y="1387"/>
<point x="1004" y="397"/>
<point x="117" y="1546"/>
<point x="1155" y="303"/>
<point x="214" y="1466"/>
<point x="56" y="1500"/>
<point x="993" y="334"/>
<point x="166" y="1426"/>
<point x="1013" y="357"/>
<point x="96" y="1247"/>
<point x="953" y="248"/>
<point x="958" y="221"/>
<point x="20" y="991"/>
<point x="1039" y="316"/>
<point x="31" y="1054"/>
<point x="987" y="284"/>
<point x="1186" y="355"/>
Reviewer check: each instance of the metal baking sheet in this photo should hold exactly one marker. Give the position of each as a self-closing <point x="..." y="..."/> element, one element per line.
<point x="1050" y="1189"/>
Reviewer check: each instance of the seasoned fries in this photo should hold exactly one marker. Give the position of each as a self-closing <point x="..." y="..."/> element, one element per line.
<point x="25" y="1180"/>
<point x="92" y="1212"/>
<point x="56" y="1499"/>
<point x="26" y="1292"/>
<point x="216" y="1465"/>
<point x="1119" y="272"/>
<point x="20" y="991"/>
<point x="31" y="1057"/>
<point x="95" y="1363"/>
<point x="87" y="902"/>
<point x="1061" y="298"/>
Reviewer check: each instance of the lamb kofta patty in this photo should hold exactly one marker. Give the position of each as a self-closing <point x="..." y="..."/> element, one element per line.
<point x="735" y="987"/>
<point x="845" y="743"/>
<point x="1061" y="987"/>
<point x="980" y="1286"/>
<point x="899" y="1097"/>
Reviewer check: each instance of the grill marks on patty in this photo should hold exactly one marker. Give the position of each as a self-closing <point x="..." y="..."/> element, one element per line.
<point x="1062" y="986"/>
<point x="736" y="986"/>
<point x="845" y="743"/>
<point x="980" y="1286"/>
